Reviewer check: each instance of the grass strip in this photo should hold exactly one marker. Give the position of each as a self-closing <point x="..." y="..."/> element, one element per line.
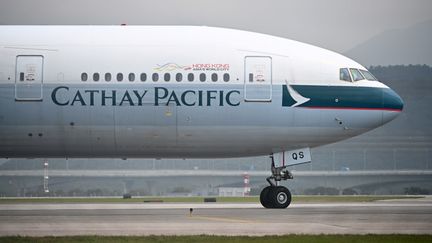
<point x="228" y="239"/>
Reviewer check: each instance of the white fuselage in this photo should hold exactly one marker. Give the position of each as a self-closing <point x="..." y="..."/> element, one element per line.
<point x="162" y="91"/>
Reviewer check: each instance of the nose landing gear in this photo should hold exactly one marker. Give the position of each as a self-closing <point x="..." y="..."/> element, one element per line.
<point x="276" y="196"/>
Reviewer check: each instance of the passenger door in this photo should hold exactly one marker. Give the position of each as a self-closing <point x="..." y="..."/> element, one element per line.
<point x="29" y="78"/>
<point x="258" y="78"/>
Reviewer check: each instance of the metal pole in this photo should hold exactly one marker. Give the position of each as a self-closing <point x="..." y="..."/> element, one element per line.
<point x="45" y="178"/>
<point x="246" y="185"/>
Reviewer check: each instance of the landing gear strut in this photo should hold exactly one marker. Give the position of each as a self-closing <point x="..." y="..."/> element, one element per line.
<point x="276" y="196"/>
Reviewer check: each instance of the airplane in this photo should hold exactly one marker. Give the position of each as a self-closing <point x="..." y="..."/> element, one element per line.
<point x="181" y="92"/>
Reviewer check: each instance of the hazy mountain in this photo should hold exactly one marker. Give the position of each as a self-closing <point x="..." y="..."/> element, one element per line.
<point x="412" y="45"/>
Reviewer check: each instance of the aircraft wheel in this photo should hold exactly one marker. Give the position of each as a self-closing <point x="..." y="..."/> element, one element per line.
<point x="280" y="197"/>
<point x="265" y="197"/>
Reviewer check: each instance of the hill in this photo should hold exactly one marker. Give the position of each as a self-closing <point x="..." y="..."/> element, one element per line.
<point x="401" y="46"/>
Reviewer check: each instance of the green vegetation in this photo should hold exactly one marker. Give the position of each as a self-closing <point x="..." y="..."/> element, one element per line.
<point x="227" y="239"/>
<point x="405" y="73"/>
<point x="252" y="199"/>
<point x="413" y="190"/>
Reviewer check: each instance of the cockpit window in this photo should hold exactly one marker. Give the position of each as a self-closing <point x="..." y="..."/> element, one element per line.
<point x="368" y="75"/>
<point x="344" y="74"/>
<point x="356" y="74"/>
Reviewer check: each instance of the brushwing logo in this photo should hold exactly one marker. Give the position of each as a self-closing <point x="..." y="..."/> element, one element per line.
<point x="299" y="99"/>
<point x="292" y="98"/>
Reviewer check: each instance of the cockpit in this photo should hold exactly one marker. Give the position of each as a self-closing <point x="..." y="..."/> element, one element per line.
<point x="354" y="74"/>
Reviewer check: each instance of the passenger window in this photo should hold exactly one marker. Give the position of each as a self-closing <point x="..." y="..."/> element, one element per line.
<point x="96" y="77"/>
<point x="107" y="77"/>
<point x="167" y="77"/>
<point x="191" y="77"/>
<point x="368" y="75"/>
<point x="214" y="77"/>
<point x="84" y="77"/>
<point x="143" y="77"/>
<point x="131" y="77"/>
<point x="155" y="77"/>
<point x="356" y="74"/>
<point x="226" y="77"/>
<point x="344" y="74"/>
<point x="202" y="77"/>
<point x="179" y="77"/>
<point x="119" y="77"/>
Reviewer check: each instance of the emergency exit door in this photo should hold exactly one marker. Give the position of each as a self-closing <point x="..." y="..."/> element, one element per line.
<point x="29" y="78"/>
<point x="258" y="78"/>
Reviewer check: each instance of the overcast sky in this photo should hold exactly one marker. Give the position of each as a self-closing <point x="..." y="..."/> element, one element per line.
<point x="334" y="24"/>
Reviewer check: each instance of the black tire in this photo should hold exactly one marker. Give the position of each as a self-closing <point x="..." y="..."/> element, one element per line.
<point x="265" y="198"/>
<point x="280" y="197"/>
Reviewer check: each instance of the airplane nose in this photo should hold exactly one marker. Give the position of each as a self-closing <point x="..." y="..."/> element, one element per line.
<point x="392" y="105"/>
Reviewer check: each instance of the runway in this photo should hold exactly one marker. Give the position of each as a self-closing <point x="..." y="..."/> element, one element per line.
<point x="413" y="216"/>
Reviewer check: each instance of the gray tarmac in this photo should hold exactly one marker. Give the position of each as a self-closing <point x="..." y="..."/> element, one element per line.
<point x="413" y="216"/>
